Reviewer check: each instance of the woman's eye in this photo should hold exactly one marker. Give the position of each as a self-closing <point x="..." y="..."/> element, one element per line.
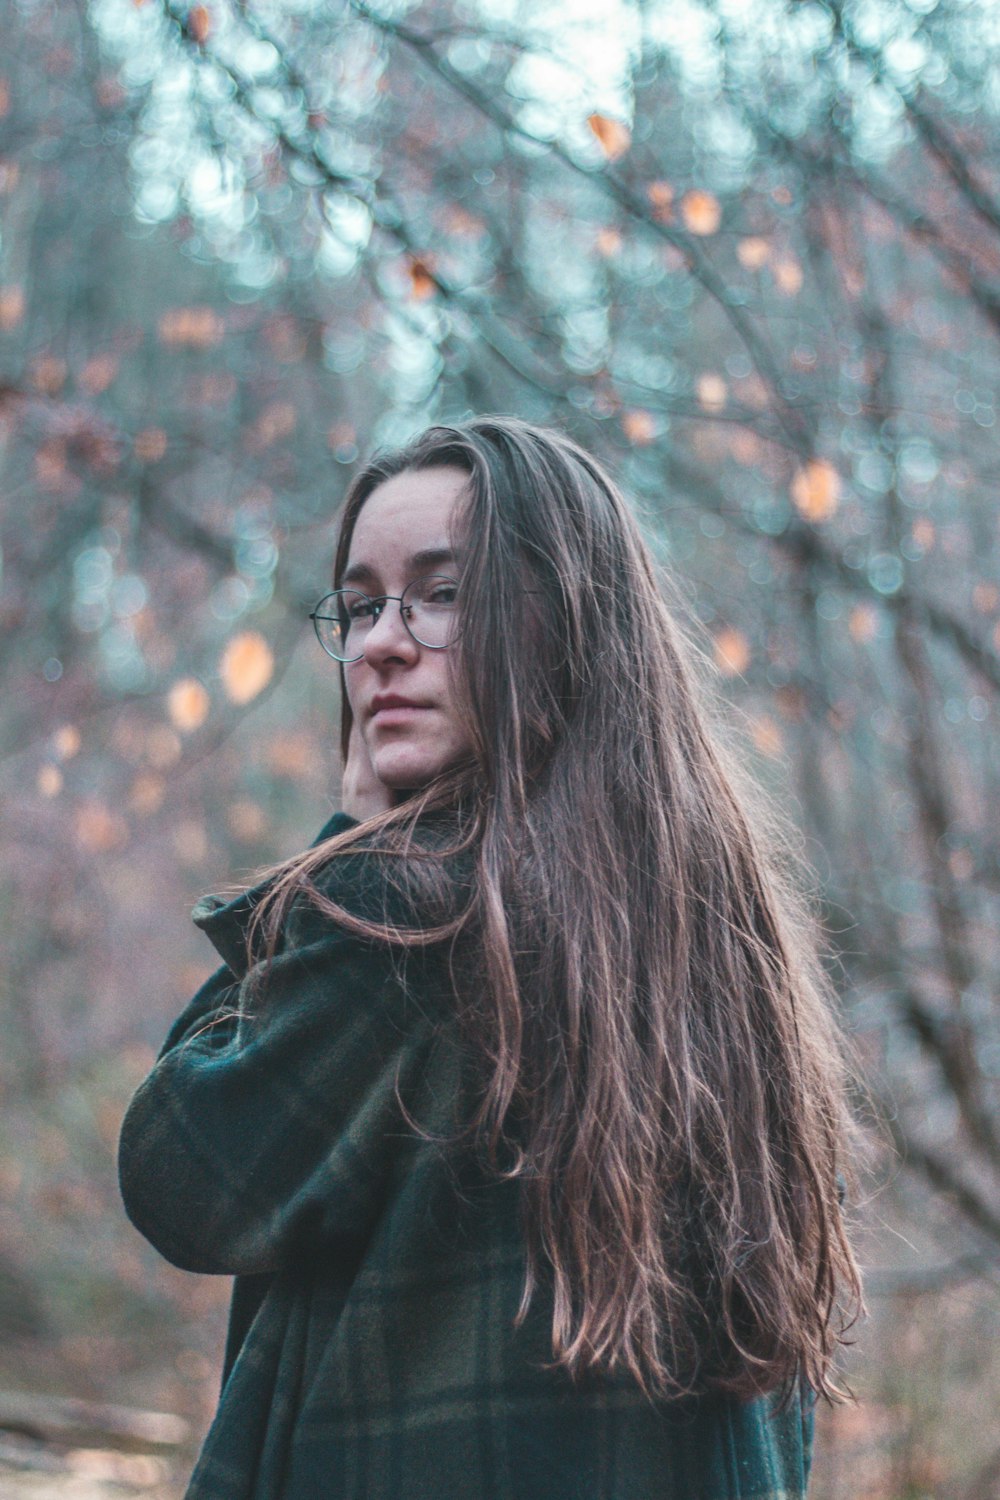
<point x="443" y="593"/>
<point x="363" y="610"/>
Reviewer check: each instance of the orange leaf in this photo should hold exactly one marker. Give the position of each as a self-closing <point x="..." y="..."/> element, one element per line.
<point x="767" y="736"/>
<point x="190" y="841"/>
<point x="98" y="829"/>
<point x="246" y="667"/>
<point x="732" y="651"/>
<point x="48" y="374"/>
<point x="923" y="533"/>
<point x="98" y="373"/>
<point x="150" y="444"/>
<point x="50" y="464"/>
<point x="788" y="275"/>
<point x="291" y="755"/>
<point x="613" y="136"/>
<point x="66" y="741"/>
<point x="863" y="623"/>
<point x="753" y="252"/>
<point x="50" y="780"/>
<point x="702" y="211"/>
<point x="712" y="392"/>
<point x="460" y="221"/>
<point x="639" y="427"/>
<point x="162" y="748"/>
<point x="661" y="197"/>
<point x="191" y="327"/>
<point x="815" y="490"/>
<point x="246" y="820"/>
<point x="608" y="242"/>
<point x="147" y="793"/>
<point x="187" y="704"/>
<point x="422" y="283"/>
<point x="199" y="23"/>
<point x="745" y="446"/>
<point x="275" y="422"/>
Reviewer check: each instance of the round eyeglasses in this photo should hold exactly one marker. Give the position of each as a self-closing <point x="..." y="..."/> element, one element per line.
<point x="343" y="619"/>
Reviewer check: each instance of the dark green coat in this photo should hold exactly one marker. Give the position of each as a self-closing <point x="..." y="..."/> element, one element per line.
<point x="372" y="1353"/>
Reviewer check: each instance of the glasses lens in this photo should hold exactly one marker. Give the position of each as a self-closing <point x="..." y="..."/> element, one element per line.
<point x="342" y="621"/>
<point x="430" y="610"/>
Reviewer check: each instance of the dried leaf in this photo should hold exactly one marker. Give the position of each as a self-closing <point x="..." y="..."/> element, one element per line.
<point x="161" y="746"/>
<point x="98" y="829"/>
<point x="767" y="736"/>
<point x="50" y="464"/>
<point x="66" y="741"/>
<point x="639" y="427"/>
<point x="146" y="795"/>
<point x="753" y="252"/>
<point x="48" y="374"/>
<point x="50" y="780"/>
<point x="614" y="137"/>
<point x="923" y="533"/>
<point x="459" y="221"/>
<point x="862" y="623"/>
<point x="732" y="651"/>
<point x="276" y="421"/>
<point x="711" y="391"/>
<point x="199" y="23"/>
<point x="608" y="242"/>
<point x="246" y="820"/>
<point x="661" y="198"/>
<point x="422" y="283"/>
<point x="701" y="211"/>
<point x="190" y="327"/>
<point x="815" y="490"/>
<point x="745" y="446"/>
<point x="190" y="842"/>
<point x="98" y="373"/>
<point x="290" y="755"/>
<point x="246" y="667"/>
<point x="150" y="445"/>
<point x="788" y="275"/>
<point x="188" y="704"/>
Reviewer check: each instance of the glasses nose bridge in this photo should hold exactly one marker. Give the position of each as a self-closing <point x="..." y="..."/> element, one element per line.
<point x="381" y="603"/>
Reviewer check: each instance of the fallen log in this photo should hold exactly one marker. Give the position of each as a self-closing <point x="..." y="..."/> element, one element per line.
<point x="66" y="1422"/>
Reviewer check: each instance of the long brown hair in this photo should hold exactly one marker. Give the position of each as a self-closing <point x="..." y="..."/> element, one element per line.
<point x="658" y="1060"/>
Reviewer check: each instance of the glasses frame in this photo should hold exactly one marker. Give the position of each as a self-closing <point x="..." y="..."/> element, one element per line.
<point x="380" y="601"/>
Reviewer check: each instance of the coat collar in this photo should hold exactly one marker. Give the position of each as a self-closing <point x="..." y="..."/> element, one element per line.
<point x="225" y="921"/>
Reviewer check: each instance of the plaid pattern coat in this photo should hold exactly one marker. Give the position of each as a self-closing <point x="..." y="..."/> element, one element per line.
<point x="372" y="1353"/>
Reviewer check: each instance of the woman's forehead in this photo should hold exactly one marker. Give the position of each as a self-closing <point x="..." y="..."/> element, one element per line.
<point x="408" y="521"/>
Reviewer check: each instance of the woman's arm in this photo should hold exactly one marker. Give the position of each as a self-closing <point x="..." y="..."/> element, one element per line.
<point x="273" y="1119"/>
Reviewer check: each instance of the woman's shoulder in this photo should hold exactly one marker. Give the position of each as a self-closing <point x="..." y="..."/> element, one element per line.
<point x="418" y="879"/>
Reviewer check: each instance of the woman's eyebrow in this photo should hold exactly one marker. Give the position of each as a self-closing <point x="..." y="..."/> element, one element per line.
<point x="426" y="560"/>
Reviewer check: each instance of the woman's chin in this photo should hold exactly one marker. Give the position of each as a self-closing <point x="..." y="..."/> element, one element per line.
<point x="402" y="771"/>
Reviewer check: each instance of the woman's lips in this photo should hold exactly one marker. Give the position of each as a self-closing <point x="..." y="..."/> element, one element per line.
<point x="398" y="713"/>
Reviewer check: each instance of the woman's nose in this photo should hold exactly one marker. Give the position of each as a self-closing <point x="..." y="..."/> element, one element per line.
<point x="389" y="638"/>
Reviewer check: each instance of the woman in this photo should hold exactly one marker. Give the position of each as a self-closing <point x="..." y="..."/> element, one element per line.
<point x="517" y="1108"/>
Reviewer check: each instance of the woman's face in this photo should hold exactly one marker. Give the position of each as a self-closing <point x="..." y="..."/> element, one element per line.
<point x="400" y="692"/>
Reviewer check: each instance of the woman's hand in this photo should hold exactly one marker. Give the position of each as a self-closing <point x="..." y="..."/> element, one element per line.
<point x="362" y="794"/>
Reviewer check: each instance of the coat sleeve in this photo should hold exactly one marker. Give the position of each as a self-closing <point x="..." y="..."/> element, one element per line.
<point x="272" y="1121"/>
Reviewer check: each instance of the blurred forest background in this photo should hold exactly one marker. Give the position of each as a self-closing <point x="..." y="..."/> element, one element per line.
<point x="748" y="251"/>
